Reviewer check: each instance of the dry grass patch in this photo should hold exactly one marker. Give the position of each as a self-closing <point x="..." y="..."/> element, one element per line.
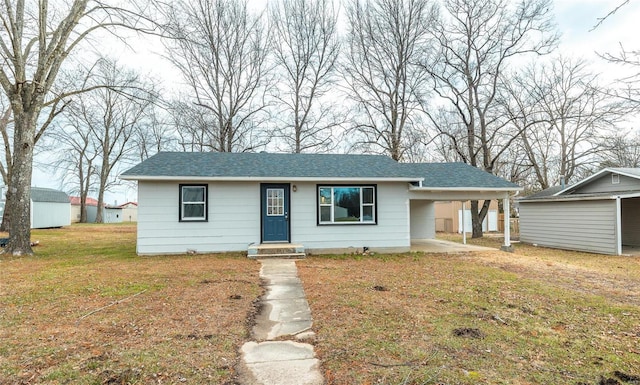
<point x="457" y="319"/>
<point x="615" y="277"/>
<point x="87" y="310"/>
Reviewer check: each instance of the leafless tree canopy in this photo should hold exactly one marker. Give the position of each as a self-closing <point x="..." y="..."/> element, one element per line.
<point x="386" y="41"/>
<point x="306" y="47"/>
<point x="563" y="115"/>
<point x="35" y="40"/>
<point x="478" y="40"/>
<point x="221" y="49"/>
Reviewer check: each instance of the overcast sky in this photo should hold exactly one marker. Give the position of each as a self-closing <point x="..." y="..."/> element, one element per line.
<point x="575" y="18"/>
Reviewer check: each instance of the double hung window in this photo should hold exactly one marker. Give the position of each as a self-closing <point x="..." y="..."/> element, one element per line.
<point x="193" y="203"/>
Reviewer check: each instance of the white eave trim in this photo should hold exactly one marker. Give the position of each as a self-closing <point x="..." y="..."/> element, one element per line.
<point x="579" y="198"/>
<point x="265" y="179"/>
<point x="466" y="189"/>
<point x="588" y="179"/>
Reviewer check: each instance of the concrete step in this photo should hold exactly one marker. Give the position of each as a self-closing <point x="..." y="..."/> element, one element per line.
<point x="276" y="250"/>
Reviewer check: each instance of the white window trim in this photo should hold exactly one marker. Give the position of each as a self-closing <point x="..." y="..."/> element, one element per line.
<point x="204" y="203"/>
<point x="615" y="178"/>
<point x="373" y="205"/>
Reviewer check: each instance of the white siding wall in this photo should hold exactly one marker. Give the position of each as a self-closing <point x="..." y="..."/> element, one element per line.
<point x="50" y="214"/>
<point x="577" y="225"/>
<point x="390" y="234"/>
<point x="234" y="220"/>
<point x="423" y="219"/>
<point x="631" y="221"/>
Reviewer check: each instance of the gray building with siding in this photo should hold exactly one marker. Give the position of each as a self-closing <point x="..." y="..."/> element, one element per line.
<point x="49" y="208"/>
<point x="600" y="214"/>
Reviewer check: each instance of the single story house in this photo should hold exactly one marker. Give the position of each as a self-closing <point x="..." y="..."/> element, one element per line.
<point x="218" y="202"/>
<point x="49" y="208"/>
<point x="449" y="217"/>
<point x="599" y="214"/>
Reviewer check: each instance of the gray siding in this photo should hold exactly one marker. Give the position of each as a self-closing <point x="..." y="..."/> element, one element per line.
<point x="631" y="221"/>
<point x="604" y="184"/>
<point x="575" y="225"/>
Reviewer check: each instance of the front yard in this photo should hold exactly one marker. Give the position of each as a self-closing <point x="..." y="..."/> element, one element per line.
<point x="87" y="310"/>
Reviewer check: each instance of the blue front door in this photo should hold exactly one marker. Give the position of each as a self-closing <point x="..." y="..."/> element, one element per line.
<point x="275" y="212"/>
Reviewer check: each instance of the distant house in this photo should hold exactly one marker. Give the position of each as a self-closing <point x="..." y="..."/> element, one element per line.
<point x="92" y="209"/>
<point x="599" y="214"/>
<point x="449" y="217"/>
<point x="217" y="202"/>
<point x="49" y="208"/>
<point x="129" y="212"/>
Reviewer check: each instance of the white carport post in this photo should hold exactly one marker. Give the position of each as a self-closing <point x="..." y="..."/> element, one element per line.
<point x="507" y="224"/>
<point x="464" y="231"/>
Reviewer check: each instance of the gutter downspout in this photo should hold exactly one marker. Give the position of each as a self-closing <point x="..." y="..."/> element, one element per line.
<point x="618" y="225"/>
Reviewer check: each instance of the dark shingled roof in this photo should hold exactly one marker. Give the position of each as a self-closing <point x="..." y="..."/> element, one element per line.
<point x="40" y="194"/>
<point x="226" y="164"/>
<point x="456" y="174"/>
<point x="267" y="165"/>
<point x="547" y="193"/>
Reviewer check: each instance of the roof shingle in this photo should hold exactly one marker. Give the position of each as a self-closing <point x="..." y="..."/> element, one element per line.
<point x="321" y="166"/>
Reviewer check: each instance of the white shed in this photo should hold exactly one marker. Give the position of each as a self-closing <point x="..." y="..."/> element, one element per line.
<point x="49" y="208"/>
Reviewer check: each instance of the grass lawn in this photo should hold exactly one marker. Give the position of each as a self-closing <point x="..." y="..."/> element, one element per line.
<point x="87" y="310"/>
<point x="537" y="316"/>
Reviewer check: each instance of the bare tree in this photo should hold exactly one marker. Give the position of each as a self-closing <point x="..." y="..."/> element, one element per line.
<point x="621" y="150"/>
<point x="35" y="40"/>
<point x="478" y="40"/>
<point x="386" y="41"/>
<point x="114" y="114"/>
<point x="564" y="114"/>
<point x="221" y="50"/>
<point x="154" y="133"/>
<point x="75" y="154"/>
<point x="306" y="48"/>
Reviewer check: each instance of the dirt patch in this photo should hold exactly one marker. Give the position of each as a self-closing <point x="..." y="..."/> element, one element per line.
<point x="469" y="333"/>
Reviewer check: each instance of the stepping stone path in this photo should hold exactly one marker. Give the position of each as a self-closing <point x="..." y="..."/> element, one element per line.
<point x="284" y="313"/>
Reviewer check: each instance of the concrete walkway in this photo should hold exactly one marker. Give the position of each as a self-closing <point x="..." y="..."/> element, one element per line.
<point x="442" y="246"/>
<point x="285" y="316"/>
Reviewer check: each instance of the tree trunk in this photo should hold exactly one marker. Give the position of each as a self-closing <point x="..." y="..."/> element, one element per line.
<point x="19" y="190"/>
<point x="5" y="215"/>
<point x="477" y="217"/>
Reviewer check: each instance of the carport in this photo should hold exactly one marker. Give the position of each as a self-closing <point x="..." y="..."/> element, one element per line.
<point x="453" y="182"/>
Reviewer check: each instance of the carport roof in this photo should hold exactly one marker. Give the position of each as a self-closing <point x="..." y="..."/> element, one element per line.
<point x="455" y="175"/>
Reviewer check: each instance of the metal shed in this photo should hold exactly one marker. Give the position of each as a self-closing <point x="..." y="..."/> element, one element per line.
<point x="49" y="208"/>
<point x="599" y="214"/>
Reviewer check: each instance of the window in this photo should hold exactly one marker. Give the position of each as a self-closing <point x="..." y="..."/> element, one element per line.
<point x="346" y="204"/>
<point x="275" y="202"/>
<point x="615" y="179"/>
<point x="193" y="203"/>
